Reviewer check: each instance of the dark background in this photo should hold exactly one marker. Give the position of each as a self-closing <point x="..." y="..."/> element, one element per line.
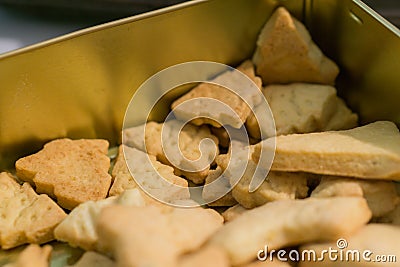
<point x="26" y="22"/>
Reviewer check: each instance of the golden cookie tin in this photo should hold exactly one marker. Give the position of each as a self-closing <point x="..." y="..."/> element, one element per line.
<point x="80" y="84"/>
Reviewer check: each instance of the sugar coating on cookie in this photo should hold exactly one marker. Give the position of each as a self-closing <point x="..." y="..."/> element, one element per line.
<point x="286" y="53"/>
<point x="371" y="151"/>
<point x="72" y="171"/>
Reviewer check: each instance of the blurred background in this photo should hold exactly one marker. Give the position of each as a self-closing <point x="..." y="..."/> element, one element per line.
<point x="26" y="22"/>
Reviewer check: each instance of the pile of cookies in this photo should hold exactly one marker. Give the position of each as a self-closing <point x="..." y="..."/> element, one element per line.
<point x="330" y="178"/>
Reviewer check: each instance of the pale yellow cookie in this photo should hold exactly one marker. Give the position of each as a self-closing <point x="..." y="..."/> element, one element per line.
<point x="302" y="108"/>
<point x="221" y="190"/>
<point x="187" y="156"/>
<point x="155" y="178"/>
<point x="342" y="119"/>
<point x="276" y="186"/>
<point x="93" y="259"/>
<point x="25" y="217"/>
<point x="366" y="244"/>
<point x="233" y="212"/>
<point x="72" y="171"/>
<point x="371" y="151"/>
<point x="79" y="228"/>
<point x="286" y="53"/>
<point x="33" y="256"/>
<point x="171" y="232"/>
<point x="213" y="114"/>
<point x="205" y="257"/>
<point x="380" y="195"/>
<point x="286" y="223"/>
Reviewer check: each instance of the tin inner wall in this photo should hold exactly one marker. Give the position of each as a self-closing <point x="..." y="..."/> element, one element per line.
<point x="79" y="85"/>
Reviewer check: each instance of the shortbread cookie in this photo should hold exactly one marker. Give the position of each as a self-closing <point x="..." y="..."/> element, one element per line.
<point x="73" y="172"/>
<point x="286" y="53"/>
<point x="371" y="151"/>
<point x="233" y="212"/>
<point x="205" y="257"/>
<point x="220" y="191"/>
<point x="171" y="232"/>
<point x="211" y="113"/>
<point x="380" y="195"/>
<point x="276" y="186"/>
<point x="79" y="228"/>
<point x="285" y="223"/>
<point x="93" y="259"/>
<point x="189" y="158"/>
<point x="342" y="119"/>
<point x="146" y="166"/>
<point x="155" y="178"/>
<point x="379" y="239"/>
<point x="33" y="256"/>
<point x="25" y="217"/>
<point x="302" y="108"/>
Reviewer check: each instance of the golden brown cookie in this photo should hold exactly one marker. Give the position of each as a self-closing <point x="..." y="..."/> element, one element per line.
<point x="72" y="171"/>
<point x="286" y="53"/>
<point x="213" y="114"/>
